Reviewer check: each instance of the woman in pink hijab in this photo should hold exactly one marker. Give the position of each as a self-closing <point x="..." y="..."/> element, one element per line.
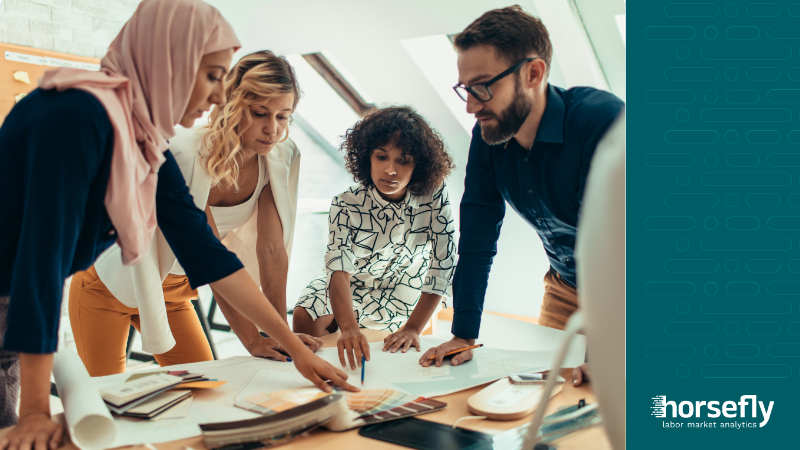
<point x="86" y="163"/>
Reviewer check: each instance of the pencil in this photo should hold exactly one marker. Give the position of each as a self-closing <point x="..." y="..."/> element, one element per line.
<point x="457" y="351"/>
<point x="363" y="366"/>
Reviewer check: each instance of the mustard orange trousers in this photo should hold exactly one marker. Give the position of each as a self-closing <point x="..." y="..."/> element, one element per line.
<point x="559" y="302"/>
<point x="100" y="324"/>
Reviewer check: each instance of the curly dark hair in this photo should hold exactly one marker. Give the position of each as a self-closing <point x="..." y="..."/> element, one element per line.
<point x="402" y="127"/>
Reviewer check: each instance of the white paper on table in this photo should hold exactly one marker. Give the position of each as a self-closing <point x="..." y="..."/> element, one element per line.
<point x="534" y="349"/>
<point x="89" y="423"/>
<point x="401" y="371"/>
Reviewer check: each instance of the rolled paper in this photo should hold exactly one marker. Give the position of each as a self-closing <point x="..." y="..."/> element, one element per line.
<point x="88" y="421"/>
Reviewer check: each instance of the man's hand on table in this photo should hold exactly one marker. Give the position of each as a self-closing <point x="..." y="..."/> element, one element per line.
<point x="354" y="344"/>
<point x="34" y="431"/>
<point x="580" y="374"/>
<point x="270" y="348"/>
<point x="449" y="346"/>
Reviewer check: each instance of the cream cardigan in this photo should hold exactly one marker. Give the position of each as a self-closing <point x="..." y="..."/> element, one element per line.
<point x="139" y="286"/>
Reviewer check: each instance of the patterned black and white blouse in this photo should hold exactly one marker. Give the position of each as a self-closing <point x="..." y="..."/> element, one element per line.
<point x="392" y="251"/>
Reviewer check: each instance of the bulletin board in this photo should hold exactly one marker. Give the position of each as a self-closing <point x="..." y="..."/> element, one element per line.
<point x="34" y="62"/>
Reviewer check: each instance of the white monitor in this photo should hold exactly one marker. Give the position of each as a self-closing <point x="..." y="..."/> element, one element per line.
<point x="600" y="259"/>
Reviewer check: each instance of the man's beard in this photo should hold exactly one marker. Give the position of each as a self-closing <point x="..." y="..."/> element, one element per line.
<point x="509" y="121"/>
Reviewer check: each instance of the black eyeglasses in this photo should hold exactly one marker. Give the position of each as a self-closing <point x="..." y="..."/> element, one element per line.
<point x="481" y="90"/>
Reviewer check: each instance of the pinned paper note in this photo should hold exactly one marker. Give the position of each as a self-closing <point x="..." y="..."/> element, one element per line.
<point x="201" y="385"/>
<point x="19" y="97"/>
<point x="22" y="76"/>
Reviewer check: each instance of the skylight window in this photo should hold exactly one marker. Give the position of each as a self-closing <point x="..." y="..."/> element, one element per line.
<point x="321" y="108"/>
<point x="347" y="76"/>
<point x="621" y="26"/>
<point x="572" y="49"/>
<point x="436" y="58"/>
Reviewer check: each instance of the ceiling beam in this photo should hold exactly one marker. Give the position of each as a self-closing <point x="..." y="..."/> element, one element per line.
<point x="339" y="84"/>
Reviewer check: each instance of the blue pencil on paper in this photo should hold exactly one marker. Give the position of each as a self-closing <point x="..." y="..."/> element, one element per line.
<point x="363" y="366"/>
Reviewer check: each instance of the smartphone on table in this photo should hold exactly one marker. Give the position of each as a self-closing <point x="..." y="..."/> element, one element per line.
<point x="532" y="378"/>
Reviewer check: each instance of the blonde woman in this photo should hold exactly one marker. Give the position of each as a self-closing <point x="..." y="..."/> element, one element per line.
<point x="242" y="168"/>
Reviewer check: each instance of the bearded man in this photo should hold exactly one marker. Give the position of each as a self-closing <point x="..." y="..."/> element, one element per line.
<point x="532" y="147"/>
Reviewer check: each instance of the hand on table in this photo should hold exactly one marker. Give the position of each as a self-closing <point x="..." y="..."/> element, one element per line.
<point x="319" y="371"/>
<point x="403" y="338"/>
<point x="270" y="348"/>
<point x="34" y="431"/>
<point x="354" y="344"/>
<point x="449" y="346"/>
<point x="580" y="374"/>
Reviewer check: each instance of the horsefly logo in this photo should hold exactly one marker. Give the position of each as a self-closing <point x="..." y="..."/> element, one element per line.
<point x="748" y="407"/>
<point x="659" y="406"/>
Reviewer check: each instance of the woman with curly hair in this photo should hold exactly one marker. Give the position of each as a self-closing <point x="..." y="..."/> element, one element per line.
<point x="391" y="249"/>
<point x="242" y="168"/>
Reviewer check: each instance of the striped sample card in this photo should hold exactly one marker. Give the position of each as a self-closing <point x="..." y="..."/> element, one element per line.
<point x="713" y="223"/>
<point x="367" y="399"/>
<point x="286" y="399"/>
<point x="419" y="406"/>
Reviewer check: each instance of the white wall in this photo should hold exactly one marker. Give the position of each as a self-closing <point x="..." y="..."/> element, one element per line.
<point x="78" y="27"/>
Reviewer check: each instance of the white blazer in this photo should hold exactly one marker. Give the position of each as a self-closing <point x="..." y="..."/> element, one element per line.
<point x="139" y="286"/>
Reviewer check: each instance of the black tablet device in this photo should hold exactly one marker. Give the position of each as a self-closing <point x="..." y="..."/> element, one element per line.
<point x="426" y="435"/>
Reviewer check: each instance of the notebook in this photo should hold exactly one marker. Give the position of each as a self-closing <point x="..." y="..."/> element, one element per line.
<point x="158" y="404"/>
<point x="128" y="392"/>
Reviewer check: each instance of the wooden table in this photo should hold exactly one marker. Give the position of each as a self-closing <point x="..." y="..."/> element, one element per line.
<point x="591" y="439"/>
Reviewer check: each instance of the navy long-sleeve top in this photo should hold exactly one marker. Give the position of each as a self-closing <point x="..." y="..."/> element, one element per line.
<point x="544" y="185"/>
<point x="55" y="156"/>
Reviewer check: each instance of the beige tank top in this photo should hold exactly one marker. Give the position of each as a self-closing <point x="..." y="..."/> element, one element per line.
<point x="229" y="218"/>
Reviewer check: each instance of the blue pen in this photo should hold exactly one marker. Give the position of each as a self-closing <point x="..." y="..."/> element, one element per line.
<point x="363" y="366"/>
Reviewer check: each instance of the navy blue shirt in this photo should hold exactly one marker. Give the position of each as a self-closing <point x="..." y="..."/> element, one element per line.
<point x="544" y="185"/>
<point x="55" y="157"/>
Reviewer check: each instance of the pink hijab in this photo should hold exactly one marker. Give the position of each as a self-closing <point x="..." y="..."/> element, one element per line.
<point x="144" y="83"/>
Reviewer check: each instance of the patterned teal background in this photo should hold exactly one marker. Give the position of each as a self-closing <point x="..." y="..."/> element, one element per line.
<point x="713" y="214"/>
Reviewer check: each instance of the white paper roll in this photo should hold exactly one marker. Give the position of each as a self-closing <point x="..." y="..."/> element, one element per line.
<point x="89" y="423"/>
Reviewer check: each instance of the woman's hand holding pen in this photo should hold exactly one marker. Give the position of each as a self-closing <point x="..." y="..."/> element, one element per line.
<point x="300" y="348"/>
<point x="353" y="343"/>
<point x="251" y="303"/>
<point x="449" y="346"/>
